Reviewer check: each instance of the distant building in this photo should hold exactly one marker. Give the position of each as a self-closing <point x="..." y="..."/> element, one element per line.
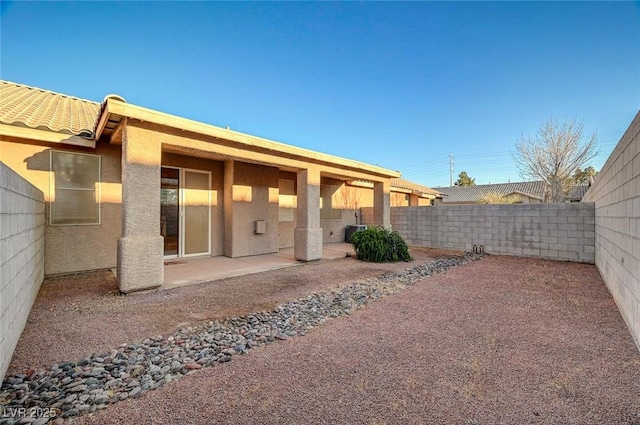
<point x="405" y="193"/>
<point x="520" y="193"/>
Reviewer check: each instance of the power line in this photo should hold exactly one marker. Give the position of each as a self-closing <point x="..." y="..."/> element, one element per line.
<point x="450" y="170"/>
<point x="484" y="163"/>
<point x="473" y="159"/>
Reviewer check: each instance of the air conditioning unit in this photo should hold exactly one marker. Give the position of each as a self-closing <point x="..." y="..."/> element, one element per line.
<point x="351" y="229"/>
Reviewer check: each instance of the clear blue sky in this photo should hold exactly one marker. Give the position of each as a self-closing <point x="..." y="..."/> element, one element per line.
<point x="401" y="85"/>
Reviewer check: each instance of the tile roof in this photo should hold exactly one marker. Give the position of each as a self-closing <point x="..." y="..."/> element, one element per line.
<point x="405" y="184"/>
<point x="473" y="194"/>
<point x="31" y="107"/>
<point x="578" y="191"/>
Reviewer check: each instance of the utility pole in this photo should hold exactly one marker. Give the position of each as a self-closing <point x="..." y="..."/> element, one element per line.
<point x="450" y="170"/>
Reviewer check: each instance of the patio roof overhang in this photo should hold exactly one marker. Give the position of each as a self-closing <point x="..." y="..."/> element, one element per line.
<point x="184" y="135"/>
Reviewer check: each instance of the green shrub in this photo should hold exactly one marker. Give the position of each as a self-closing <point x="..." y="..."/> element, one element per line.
<point x="380" y="245"/>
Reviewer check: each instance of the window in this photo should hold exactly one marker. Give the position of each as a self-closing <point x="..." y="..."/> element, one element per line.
<point x="75" y="196"/>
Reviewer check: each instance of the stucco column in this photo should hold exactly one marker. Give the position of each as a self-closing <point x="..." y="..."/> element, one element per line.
<point x="229" y="170"/>
<point x="141" y="247"/>
<point x="382" y="204"/>
<point x="308" y="233"/>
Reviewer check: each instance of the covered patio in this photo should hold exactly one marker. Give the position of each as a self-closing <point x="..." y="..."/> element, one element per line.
<point x="220" y="192"/>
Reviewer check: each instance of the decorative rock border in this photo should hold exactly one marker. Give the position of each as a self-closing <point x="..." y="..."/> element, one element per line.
<point x="89" y="384"/>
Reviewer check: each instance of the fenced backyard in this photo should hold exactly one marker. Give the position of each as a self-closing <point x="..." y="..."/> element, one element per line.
<point x="496" y="340"/>
<point x="509" y="338"/>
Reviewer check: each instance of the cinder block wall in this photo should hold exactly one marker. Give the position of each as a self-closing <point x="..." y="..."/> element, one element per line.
<point x="616" y="194"/>
<point x="554" y="231"/>
<point x="21" y="257"/>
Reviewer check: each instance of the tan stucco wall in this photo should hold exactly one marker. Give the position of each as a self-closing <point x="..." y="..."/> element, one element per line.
<point x="399" y="199"/>
<point x="141" y="246"/>
<point x="417" y="201"/>
<point x="333" y="230"/>
<point x="287" y="203"/>
<point x="362" y="197"/>
<point x="72" y="248"/>
<point x="358" y="196"/>
<point x="217" y="192"/>
<point x="285" y="234"/>
<point x="335" y="222"/>
<point x="331" y="206"/>
<point x="524" y="199"/>
<point x="342" y="200"/>
<point x="251" y="193"/>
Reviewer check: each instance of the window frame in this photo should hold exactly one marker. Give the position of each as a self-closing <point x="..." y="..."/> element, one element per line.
<point x="52" y="188"/>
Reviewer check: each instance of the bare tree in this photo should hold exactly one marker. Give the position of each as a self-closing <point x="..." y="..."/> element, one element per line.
<point x="554" y="156"/>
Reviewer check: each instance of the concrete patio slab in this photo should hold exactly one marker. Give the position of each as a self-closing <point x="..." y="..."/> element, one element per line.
<point x="185" y="271"/>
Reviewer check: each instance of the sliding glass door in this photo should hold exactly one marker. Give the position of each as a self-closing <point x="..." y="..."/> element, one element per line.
<point x="185" y="213"/>
<point x="170" y="210"/>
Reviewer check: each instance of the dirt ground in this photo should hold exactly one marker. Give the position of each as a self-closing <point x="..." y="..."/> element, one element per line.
<point x="77" y="315"/>
<point x="501" y="340"/>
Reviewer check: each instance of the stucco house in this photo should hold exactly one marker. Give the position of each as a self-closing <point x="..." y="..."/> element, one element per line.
<point x="534" y="192"/>
<point x="128" y="187"/>
<point x="408" y="194"/>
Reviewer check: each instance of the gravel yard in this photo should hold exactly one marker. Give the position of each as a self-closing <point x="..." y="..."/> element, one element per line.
<point x="76" y="315"/>
<point x="500" y="340"/>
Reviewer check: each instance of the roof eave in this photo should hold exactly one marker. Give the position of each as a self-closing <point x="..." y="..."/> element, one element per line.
<point x="517" y="192"/>
<point x="121" y="109"/>
<point x="45" y="136"/>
